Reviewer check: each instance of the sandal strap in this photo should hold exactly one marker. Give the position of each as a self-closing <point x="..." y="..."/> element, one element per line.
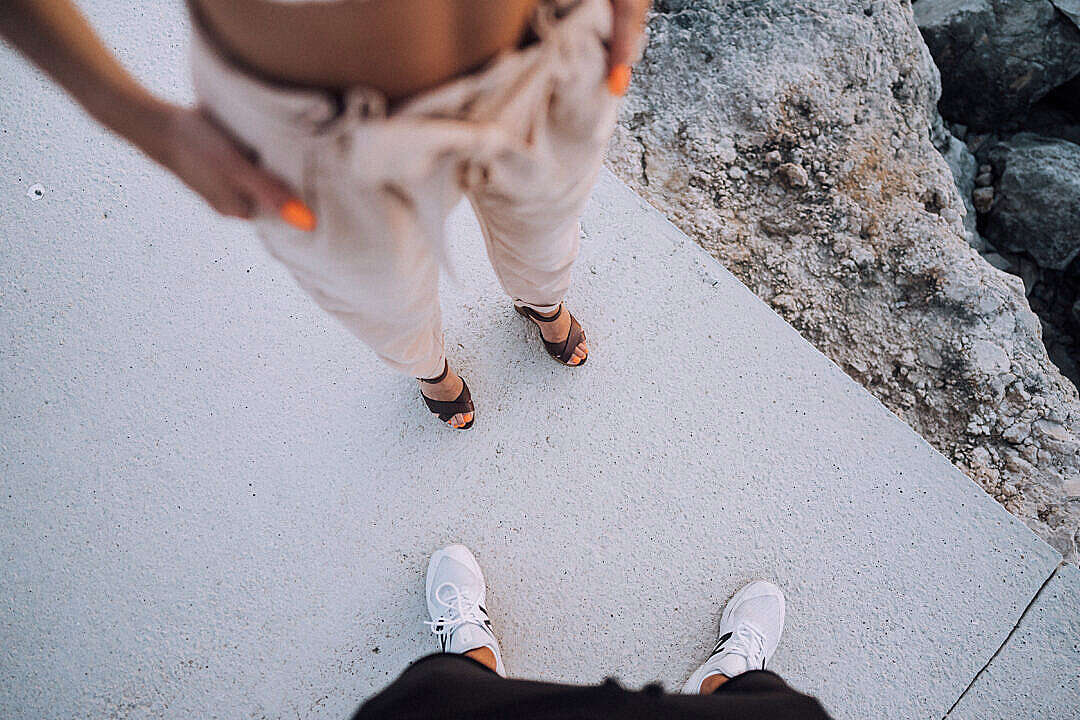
<point x="436" y="381"/>
<point x="537" y="316"/>
<point x="564" y="350"/>
<point x="447" y="409"/>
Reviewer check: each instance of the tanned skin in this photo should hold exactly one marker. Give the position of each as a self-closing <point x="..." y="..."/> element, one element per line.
<point x="399" y="47"/>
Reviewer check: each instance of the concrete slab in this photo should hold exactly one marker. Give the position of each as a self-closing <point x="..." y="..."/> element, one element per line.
<point x="1037" y="672"/>
<point x="215" y="503"/>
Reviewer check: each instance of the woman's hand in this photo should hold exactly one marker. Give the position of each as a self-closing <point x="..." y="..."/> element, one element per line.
<point x="627" y="24"/>
<point x="59" y="40"/>
<point x="202" y="154"/>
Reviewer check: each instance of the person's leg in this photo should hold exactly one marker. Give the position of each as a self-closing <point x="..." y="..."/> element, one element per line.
<point x="369" y="264"/>
<point x="530" y="198"/>
<point x="369" y="260"/>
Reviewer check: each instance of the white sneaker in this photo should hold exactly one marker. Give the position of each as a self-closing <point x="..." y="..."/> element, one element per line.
<point x="456" y="595"/>
<point x="749" y="633"/>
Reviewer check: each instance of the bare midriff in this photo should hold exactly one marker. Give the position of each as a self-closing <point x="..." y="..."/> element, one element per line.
<point x="399" y="47"/>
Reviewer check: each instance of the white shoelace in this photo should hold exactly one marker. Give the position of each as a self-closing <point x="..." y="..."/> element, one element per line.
<point x="748" y="643"/>
<point x="460" y="610"/>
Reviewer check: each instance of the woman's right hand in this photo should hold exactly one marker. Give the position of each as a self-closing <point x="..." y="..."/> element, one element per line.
<point x="191" y="144"/>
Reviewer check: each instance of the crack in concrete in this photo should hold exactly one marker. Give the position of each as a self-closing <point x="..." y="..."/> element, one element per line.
<point x="1005" y="642"/>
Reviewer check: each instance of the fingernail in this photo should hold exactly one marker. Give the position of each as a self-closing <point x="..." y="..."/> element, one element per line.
<point x="618" y="80"/>
<point x="297" y="214"/>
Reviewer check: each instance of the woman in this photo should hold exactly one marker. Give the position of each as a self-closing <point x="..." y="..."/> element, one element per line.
<point x="346" y="130"/>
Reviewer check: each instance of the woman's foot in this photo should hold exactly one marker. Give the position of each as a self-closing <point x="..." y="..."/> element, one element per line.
<point x="447" y="390"/>
<point x="558" y="329"/>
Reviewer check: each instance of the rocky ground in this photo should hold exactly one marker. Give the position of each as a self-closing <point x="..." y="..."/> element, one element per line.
<point x="799" y="143"/>
<point x="1011" y="98"/>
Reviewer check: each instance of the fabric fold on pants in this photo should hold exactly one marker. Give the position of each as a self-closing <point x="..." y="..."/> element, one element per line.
<point x="523" y="138"/>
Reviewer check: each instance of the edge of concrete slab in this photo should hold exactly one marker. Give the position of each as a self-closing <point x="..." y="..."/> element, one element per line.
<point x="1037" y="667"/>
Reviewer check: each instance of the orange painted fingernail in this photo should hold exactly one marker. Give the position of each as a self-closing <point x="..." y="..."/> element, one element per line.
<point x="618" y="80"/>
<point x="297" y="214"/>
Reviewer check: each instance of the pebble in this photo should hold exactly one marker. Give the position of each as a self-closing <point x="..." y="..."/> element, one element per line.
<point x="983" y="199"/>
<point x="794" y="175"/>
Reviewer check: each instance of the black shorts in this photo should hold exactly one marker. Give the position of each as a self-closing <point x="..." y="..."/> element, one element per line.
<point x="453" y="686"/>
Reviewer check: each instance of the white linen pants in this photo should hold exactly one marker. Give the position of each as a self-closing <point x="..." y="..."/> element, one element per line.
<point x="522" y="138"/>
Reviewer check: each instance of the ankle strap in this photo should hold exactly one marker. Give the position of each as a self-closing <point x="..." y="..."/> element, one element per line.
<point x="434" y="381"/>
<point x="541" y="318"/>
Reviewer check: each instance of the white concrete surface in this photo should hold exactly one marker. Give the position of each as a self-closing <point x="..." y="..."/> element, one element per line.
<point x="1037" y="672"/>
<point x="215" y="503"/>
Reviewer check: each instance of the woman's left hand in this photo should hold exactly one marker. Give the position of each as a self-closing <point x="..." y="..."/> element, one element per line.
<point x="627" y="24"/>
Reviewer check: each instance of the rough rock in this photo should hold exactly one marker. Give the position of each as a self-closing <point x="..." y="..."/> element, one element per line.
<point x="1037" y="202"/>
<point x="1053" y="295"/>
<point x="963" y="166"/>
<point x="793" y="174"/>
<point x="1070" y="8"/>
<point x="997" y="57"/>
<point x="863" y="259"/>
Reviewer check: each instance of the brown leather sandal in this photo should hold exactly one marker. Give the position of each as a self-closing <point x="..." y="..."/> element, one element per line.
<point x="560" y="350"/>
<point x="447" y="409"/>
